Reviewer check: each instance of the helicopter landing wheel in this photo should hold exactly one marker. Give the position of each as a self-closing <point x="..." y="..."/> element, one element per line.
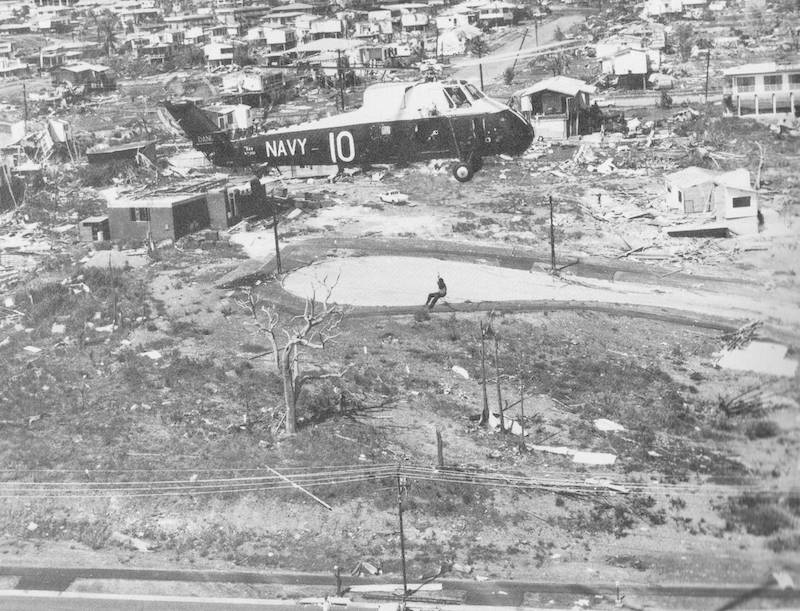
<point x="462" y="172"/>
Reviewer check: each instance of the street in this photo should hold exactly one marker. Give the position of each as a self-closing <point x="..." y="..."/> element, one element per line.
<point x="493" y="68"/>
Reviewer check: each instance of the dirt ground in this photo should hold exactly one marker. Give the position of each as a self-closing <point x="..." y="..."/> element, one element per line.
<point x="206" y="408"/>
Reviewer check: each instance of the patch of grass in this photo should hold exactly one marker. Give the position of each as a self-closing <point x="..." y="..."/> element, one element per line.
<point x="784" y="543"/>
<point x="758" y="515"/>
<point x="187" y="328"/>
<point x="627" y="561"/>
<point x="462" y="227"/>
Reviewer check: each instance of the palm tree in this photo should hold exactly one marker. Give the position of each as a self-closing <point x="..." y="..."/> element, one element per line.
<point x="107" y="31"/>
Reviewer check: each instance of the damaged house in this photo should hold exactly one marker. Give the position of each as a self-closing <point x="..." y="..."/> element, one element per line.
<point x="91" y="77"/>
<point x="158" y="217"/>
<point x="558" y="107"/>
<point x="174" y="212"/>
<point x="728" y="195"/>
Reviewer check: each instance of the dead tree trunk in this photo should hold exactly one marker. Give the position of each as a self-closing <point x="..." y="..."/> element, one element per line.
<point x="485" y="412"/>
<point x="289" y="394"/>
<point x="499" y="393"/>
<point x="318" y="324"/>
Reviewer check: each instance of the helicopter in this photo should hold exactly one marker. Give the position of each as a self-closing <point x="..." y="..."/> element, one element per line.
<point x="398" y="123"/>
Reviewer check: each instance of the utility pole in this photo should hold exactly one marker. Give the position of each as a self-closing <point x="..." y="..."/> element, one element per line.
<point x="552" y="238"/>
<point x="499" y="393"/>
<point x="521" y="417"/>
<point x="522" y="42"/>
<point x="480" y="72"/>
<point x="485" y="413"/>
<point x="25" y="105"/>
<point x="275" y="232"/>
<point x="402" y="536"/>
<point x="708" y="62"/>
<point x="536" y="29"/>
<point x="340" y="73"/>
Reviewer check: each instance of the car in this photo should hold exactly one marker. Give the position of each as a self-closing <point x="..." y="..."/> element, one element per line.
<point x="393" y="197"/>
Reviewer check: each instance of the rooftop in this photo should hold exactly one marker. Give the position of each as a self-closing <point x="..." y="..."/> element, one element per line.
<point x="121" y="147"/>
<point x="762" y="68"/>
<point x="149" y="201"/>
<point x="83" y="67"/>
<point x="559" y="84"/>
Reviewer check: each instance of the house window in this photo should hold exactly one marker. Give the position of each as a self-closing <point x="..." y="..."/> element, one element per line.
<point x="773" y="82"/>
<point x="794" y="79"/>
<point x="741" y="202"/>
<point x="140" y="214"/>
<point x="745" y="83"/>
<point x="680" y="196"/>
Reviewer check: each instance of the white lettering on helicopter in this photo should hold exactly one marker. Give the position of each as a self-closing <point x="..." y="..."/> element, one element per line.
<point x="337" y="147"/>
<point x="280" y="148"/>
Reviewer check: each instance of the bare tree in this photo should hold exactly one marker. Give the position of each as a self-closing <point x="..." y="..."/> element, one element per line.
<point x="684" y="40"/>
<point x="318" y="325"/>
<point x="559" y="63"/>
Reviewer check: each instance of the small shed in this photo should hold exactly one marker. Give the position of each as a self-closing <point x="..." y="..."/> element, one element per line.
<point x="728" y="195"/>
<point x="94" y="229"/>
<point x="163" y="217"/>
<point x="557" y="107"/>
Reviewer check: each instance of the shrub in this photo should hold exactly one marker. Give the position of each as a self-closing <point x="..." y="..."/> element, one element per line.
<point x="784" y="543"/>
<point x="759" y="516"/>
<point x="762" y="429"/>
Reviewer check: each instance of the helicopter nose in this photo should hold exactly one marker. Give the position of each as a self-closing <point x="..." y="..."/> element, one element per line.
<point x="521" y="132"/>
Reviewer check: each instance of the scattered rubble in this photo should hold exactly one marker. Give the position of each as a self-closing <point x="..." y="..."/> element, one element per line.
<point x="579" y="456"/>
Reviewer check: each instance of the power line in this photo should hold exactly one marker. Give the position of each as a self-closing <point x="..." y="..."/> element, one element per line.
<point x="349" y="474"/>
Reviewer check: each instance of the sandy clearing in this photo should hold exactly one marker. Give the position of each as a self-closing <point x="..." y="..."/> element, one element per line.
<point x="359" y="220"/>
<point x="256" y="244"/>
<point x="406" y="281"/>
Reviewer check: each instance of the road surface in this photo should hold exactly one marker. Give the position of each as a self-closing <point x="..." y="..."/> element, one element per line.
<point x="47" y="588"/>
<point x="493" y="69"/>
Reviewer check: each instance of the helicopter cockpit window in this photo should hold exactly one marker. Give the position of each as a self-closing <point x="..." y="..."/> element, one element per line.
<point x="449" y="100"/>
<point x="459" y="97"/>
<point x="474" y="91"/>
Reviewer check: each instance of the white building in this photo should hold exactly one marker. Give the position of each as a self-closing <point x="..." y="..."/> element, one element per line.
<point x="631" y="66"/>
<point x="218" y="54"/>
<point x="458" y="16"/>
<point x="454" y="41"/>
<point x="327" y="28"/>
<point x="728" y="195"/>
<point x="763" y="88"/>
